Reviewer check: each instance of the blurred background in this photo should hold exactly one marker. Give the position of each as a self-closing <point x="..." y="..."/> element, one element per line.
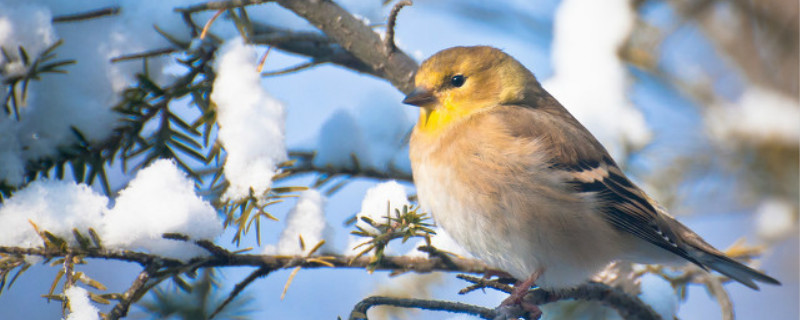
<point x="697" y="99"/>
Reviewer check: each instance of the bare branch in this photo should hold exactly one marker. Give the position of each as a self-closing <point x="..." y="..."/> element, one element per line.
<point x="133" y="293"/>
<point x="388" y="42"/>
<point x="269" y="262"/>
<point x="310" y="44"/>
<point x="97" y="13"/>
<point x="628" y="306"/>
<point x="220" y="5"/>
<point x="358" y="39"/>
<point x="259" y="273"/>
<point x="360" y="310"/>
<point x="305" y="163"/>
<point x="296" y="68"/>
<point x="145" y="54"/>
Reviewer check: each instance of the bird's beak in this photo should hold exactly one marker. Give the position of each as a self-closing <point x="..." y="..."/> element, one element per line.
<point x="420" y="96"/>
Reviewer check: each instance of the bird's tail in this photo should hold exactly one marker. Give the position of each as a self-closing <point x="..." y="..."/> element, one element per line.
<point x="707" y="256"/>
<point x="733" y="269"/>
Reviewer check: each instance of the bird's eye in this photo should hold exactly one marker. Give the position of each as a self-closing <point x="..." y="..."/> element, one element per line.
<point x="458" y="80"/>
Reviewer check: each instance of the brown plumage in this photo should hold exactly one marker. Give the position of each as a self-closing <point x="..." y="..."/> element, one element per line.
<point x="521" y="184"/>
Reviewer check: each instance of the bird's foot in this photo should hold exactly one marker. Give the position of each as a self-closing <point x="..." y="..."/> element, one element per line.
<point x="516" y="311"/>
<point x="532" y="311"/>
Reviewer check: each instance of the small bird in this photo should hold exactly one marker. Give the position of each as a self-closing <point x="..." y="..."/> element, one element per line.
<point x="518" y="182"/>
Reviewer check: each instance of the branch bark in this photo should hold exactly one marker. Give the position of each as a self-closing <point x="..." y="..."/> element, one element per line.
<point x="629" y="307"/>
<point x="267" y="262"/>
<point x="357" y="39"/>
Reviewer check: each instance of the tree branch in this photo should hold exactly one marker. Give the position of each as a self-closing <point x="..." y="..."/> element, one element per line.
<point x="305" y="163"/>
<point x="268" y="262"/>
<point x="628" y="306"/>
<point x="360" y="310"/>
<point x="133" y="293"/>
<point x="358" y="39"/>
<point x="388" y="42"/>
<point x="220" y="5"/>
<point x="97" y="13"/>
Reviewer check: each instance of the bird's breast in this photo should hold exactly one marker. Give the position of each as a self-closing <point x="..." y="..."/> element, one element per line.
<point x="493" y="194"/>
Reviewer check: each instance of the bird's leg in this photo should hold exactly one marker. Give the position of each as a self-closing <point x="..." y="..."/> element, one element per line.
<point x="520" y="289"/>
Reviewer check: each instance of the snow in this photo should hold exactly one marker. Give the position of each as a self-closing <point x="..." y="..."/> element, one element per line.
<point x="589" y="78"/>
<point x="306" y="219"/>
<point x="760" y="115"/>
<point x="159" y="200"/>
<point x="659" y="294"/>
<point x="84" y="96"/>
<point x="79" y="306"/>
<point x="251" y="122"/>
<point x="339" y="139"/>
<point x="384" y="196"/>
<point x="53" y="205"/>
<point x="775" y="219"/>
<point x="21" y="25"/>
<point x="376" y="136"/>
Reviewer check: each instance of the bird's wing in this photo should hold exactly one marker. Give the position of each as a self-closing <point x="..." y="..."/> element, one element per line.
<point x="588" y="168"/>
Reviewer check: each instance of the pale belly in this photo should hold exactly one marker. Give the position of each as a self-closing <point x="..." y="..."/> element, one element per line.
<point x="540" y="237"/>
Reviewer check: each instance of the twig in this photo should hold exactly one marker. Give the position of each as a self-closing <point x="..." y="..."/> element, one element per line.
<point x="146" y="54"/>
<point x="220" y="5"/>
<point x="714" y="287"/>
<point x="133" y="293"/>
<point x="358" y="39"/>
<point x="360" y="310"/>
<point x="209" y="246"/>
<point x="263" y="59"/>
<point x="310" y="44"/>
<point x="97" y="13"/>
<point x="299" y="67"/>
<point x="480" y="283"/>
<point x="208" y="24"/>
<point x="629" y="307"/>
<point x="259" y="273"/>
<point x="388" y="42"/>
<point x="305" y="163"/>
<point x="270" y="262"/>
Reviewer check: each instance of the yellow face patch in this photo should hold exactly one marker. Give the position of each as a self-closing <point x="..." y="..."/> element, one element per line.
<point x="432" y="120"/>
<point x="488" y="78"/>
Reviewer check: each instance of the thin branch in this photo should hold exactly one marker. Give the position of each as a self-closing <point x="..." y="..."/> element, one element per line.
<point x="145" y="54"/>
<point x="97" y="13"/>
<point x="259" y="273"/>
<point x="220" y="5"/>
<point x="356" y="38"/>
<point x="480" y="283"/>
<point x="263" y="59"/>
<point x="628" y="306"/>
<point x="311" y="44"/>
<point x="360" y="310"/>
<point x="296" y="68"/>
<point x="269" y="262"/>
<point x="209" y="23"/>
<point x="388" y="42"/>
<point x="136" y="290"/>
<point x="305" y="163"/>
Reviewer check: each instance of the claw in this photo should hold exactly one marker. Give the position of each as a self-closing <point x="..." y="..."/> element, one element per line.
<point x="520" y="290"/>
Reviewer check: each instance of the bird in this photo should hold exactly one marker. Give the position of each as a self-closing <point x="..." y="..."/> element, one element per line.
<point x="520" y="184"/>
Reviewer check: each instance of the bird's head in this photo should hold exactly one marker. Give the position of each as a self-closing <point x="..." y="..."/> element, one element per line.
<point x="459" y="81"/>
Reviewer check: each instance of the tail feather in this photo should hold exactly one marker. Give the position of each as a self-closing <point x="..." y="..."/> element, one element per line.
<point x="733" y="269"/>
<point x="710" y="257"/>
